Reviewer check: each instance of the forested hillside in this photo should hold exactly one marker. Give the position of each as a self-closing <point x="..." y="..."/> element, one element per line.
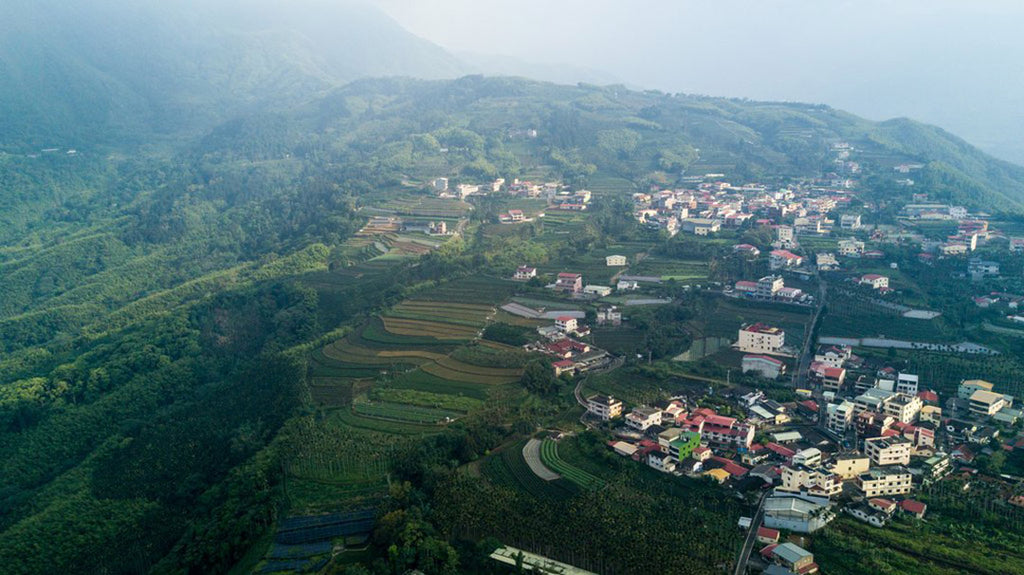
<point x="157" y="312"/>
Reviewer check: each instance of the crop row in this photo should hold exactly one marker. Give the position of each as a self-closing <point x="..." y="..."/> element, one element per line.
<point x="509" y="469"/>
<point x="549" y="456"/>
<point x="404" y="412"/>
<point x="412" y="327"/>
<point x="453" y="375"/>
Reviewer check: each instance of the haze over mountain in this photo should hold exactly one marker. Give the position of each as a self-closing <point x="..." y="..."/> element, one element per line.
<point x="956" y="64"/>
<point x="107" y="71"/>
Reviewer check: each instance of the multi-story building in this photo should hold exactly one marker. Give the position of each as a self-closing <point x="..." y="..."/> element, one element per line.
<point x="721" y="431"/>
<point x="849" y="222"/>
<point x="641" y="418"/>
<point x="832" y="378"/>
<point x="904" y="408"/>
<point x="615" y="261"/>
<point x="882" y="481"/>
<point x="907" y="383"/>
<point x="566" y="323"/>
<point x="849" y="465"/>
<point x="873" y="399"/>
<point x="810" y="457"/>
<point x="569" y="283"/>
<point x="525" y="273"/>
<point x="782" y="259"/>
<point x="851" y="247"/>
<point x="833" y="355"/>
<point x="986" y="403"/>
<point x="816" y="481"/>
<point x="969" y="386"/>
<point x="768" y="286"/>
<point x="888" y="450"/>
<point x="786" y="237"/>
<point x="683" y="446"/>
<point x="761" y="338"/>
<point x="840" y="416"/>
<point x="605" y="407"/>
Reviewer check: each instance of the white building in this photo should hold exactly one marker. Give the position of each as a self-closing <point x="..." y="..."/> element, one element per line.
<point x="987" y="403"/>
<point x="641" y="418"/>
<point x="615" y="261"/>
<point x="888" y="450"/>
<point x="764" y="365"/>
<point x="761" y="339"/>
<point x="907" y="383"/>
<point x="875" y="281"/>
<point x="605" y="407"/>
<point x="599" y="291"/>
<point x="851" y="247"/>
<point x="525" y="273"/>
<point x="566" y="323"/>
<point x="879" y="482"/>
<point x="850" y="222"/>
<point x="840" y="416"/>
<point x="782" y="259"/>
<point x="786" y="238"/>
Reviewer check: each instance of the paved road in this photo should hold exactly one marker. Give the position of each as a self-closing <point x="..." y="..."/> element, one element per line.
<point x="748" y="544"/>
<point x="806" y="352"/>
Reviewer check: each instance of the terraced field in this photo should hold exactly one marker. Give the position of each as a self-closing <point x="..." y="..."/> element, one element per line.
<point x="402" y="412"/>
<point x="549" y="456"/>
<point x="509" y="469"/>
<point x="425" y="328"/>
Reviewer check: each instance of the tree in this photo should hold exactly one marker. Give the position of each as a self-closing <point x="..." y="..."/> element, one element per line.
<point x="539" y="378"/>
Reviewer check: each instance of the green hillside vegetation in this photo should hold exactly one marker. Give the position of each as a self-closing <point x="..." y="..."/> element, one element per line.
<point x="198" y="332"/>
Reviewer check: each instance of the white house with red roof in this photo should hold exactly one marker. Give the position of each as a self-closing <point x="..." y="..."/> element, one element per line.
<point x="525" y="273"/>
<point x="566" y="323"/>
<point x="876" y="281"/>
<point x="782" y="259"/>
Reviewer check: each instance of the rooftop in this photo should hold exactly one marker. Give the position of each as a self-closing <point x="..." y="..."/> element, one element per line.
<point x="762" y="328"/>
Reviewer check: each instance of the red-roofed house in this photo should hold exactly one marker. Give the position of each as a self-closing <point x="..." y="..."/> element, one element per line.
<point x="779" y="259"/>
<point x="780" y="450"/>
<point x="915" y="508"/>
<point x="746" y="287"/>
<point x="525" y="273"/>
<point x="928" y="397"/>
<point x="767" y="535"/>
<point x="566" y="323"/>
<point x="746" y="250"/>
<point x="874" y="280"/>
<point x="733" y="468"/>
<point x="883" y="505"/>
<point x="563" y="366"/>
<point x="569" y="283"/>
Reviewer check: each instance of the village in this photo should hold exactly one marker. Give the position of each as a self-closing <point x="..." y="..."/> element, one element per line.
<point x="863" y="437"/>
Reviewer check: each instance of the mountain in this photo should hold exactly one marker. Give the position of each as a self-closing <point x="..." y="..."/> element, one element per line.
<point x="115" y="72"/>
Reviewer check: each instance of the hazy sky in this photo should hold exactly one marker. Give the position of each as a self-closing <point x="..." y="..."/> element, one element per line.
<point x="955" y="63"/>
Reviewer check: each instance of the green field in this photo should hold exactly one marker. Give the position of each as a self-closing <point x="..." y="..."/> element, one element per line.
<point x="509" y="469"/>
<point x="549" y="456"/>
<point x="404" y="412"/>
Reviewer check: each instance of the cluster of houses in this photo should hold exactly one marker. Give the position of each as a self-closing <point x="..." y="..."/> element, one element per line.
<point x="713" y="204"/>
<point x="571" y="283"/>
<point x="806" y="477"/>
<point x="771" y="288"/>
<point x="561" y="341"/>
